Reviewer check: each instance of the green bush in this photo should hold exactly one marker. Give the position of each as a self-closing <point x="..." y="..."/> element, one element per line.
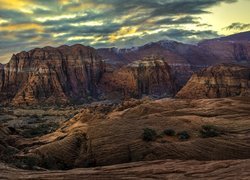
<point x="183" y="135"/>
<point x="209" y="131"/>
<point x="149" y="134"/>
<point x="169" y="132"/>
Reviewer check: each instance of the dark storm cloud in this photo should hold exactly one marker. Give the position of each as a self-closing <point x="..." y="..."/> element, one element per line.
<point x="121" y="22"/>
<point x="184" y="20"/>
<point x="238" y="26"/>
<point x="14" y="16"/>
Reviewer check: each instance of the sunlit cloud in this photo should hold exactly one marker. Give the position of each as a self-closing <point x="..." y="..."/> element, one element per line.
<point x="26" y="24"/>
<point x="55" y="18"/>
<point x="21" y="27"/>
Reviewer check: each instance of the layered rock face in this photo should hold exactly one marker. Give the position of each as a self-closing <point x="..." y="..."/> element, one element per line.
<point x="150" y="76"/>
<point x="185" y="59"/>
<point x="51" y="75"/>
<point x="78" y="73"/>
<point x="225" y="80"/>
<point x="71" y="74"/>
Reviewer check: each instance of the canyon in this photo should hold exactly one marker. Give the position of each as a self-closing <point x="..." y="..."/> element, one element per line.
<point x="80" y="74"/>
<point x="145" y="112"/>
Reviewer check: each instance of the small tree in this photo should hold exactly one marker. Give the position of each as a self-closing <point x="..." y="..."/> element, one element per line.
<point x="209" y="131"/>
<point x="149" y="134"/>
<point x="183" y="135"/>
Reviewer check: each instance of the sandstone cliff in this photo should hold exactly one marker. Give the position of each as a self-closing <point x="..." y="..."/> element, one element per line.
<point x="149" y="76"/>
<point x="52" y="75"/>
<point x="218" y="81"/>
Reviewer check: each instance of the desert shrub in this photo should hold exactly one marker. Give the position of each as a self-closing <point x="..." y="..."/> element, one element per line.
<point x="149" y="134"/>
<point x="169" y="132"/>
<point x="183" y="135"/>
<point x="209" y="131"/>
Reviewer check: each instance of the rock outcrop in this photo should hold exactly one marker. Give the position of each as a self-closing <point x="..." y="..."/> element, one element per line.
<point x="149" y="76"/>
<point x="52" y="75"/>
<point x="185" y="59"/>
<point x="225" y="80"/>
<point x="100" y="135"/>
<point x="72" y="74"/>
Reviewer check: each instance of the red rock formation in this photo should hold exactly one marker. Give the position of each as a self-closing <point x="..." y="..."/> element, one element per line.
<point x="186" y="59"/>
<point x="69" y="74"/>
<point x="150" y="76"/>
<point x="223" y="80"/>
<point x="52" y="75"/>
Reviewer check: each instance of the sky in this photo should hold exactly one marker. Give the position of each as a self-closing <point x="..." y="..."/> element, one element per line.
<point x="27" y="24"/>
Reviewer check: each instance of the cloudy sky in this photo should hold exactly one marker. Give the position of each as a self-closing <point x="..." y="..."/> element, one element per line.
<point x="26" y="24"/>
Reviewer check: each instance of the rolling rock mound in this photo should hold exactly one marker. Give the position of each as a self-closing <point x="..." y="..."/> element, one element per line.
<point x="150" y="76"/>
<point x="51" y="75"/>
<point x="100" y="136"/>
<point x="225" y="80"/>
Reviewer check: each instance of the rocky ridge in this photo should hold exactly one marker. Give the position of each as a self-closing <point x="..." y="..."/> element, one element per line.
<point x="149" y="76"/>
<point x="224" y="80"/>
<point x="51" y="75"/>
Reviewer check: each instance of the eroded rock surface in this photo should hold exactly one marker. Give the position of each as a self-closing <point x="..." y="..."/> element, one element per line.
<point x="97" y="137"/>
<point x="225" y="80"/>
<point x="165" y="169"/>
<point x="51" y="75"/>
<point x="149" y="76"/>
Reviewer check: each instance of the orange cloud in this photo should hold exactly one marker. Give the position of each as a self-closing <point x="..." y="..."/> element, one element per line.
<point x="21" y="27"/>
<point x="123" y="32"/>
<point x="14" y="4"/>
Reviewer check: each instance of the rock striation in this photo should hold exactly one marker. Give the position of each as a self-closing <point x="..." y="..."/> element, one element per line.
<point x="225" y="80"/>
<point x="149" y="76"/>
<point x="164" y="169"/>
<point x="74" y="74"/>
<point x="106" y="135"/>
<point x="51" y="75"/>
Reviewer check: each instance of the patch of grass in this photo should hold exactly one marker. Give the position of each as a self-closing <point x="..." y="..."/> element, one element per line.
<point x="169" y="132"/>
<point x="208" y="131"/>
<point x="149" y="134"/>
<point x="183" y="135"/>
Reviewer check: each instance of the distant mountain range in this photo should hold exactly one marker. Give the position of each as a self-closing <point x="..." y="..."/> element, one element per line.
<point x="73" y="74"/>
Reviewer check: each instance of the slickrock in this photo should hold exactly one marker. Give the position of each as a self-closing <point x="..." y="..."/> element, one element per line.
<point x="165" y="169"/>
<point x="114" y="136"/>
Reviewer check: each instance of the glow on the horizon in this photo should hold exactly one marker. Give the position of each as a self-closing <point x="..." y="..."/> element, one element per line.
<point x="226" y="14"/>
<point x="114" y="23"/>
